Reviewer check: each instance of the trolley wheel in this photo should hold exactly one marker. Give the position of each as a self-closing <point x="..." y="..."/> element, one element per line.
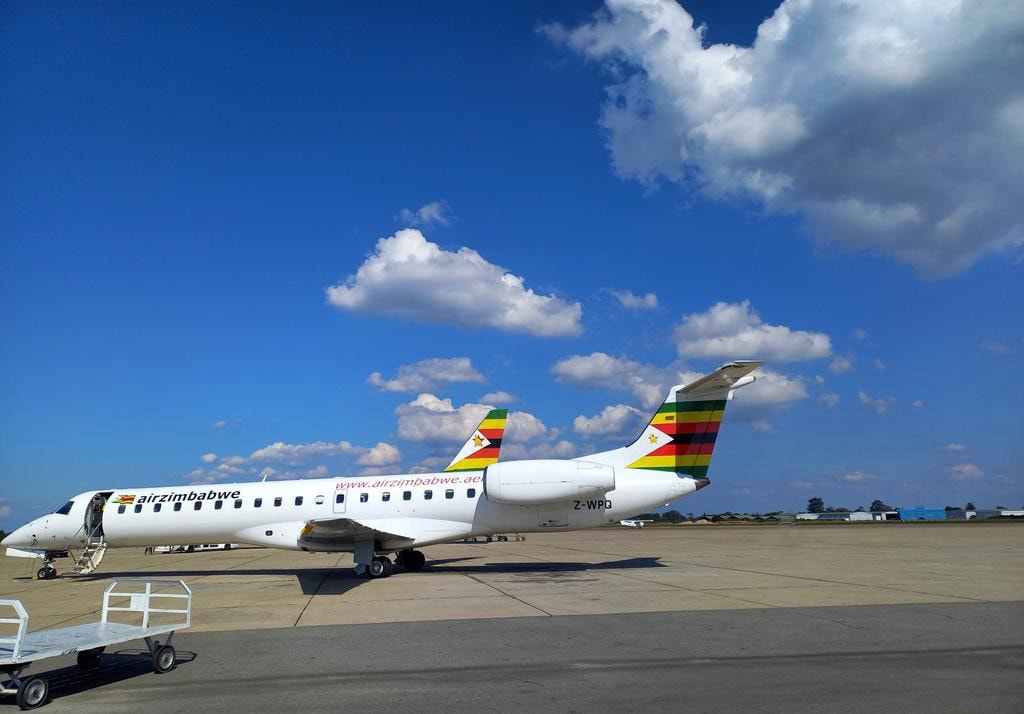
<point x="32" y="692"/>
<point x="89" y="659"/>
<point x="163" y="659"/>
<point x="190" y="549"/>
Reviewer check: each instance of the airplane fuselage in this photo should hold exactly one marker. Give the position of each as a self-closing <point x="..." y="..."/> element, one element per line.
<point x="434" y="508"/>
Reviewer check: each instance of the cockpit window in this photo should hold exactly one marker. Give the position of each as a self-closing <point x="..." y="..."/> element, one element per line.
<point x="65" y="509"/>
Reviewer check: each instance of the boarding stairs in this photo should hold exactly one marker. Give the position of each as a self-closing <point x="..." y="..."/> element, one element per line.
<point x="89" y="558"/>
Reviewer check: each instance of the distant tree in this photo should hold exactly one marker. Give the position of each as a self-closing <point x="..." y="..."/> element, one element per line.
<point x="689" y="516"/>
<point x="879" y="506"/>
<point x="860" y="509"/>
<point x="815" y="505"/>
<point x="672" y="516"/>
<point x="1000" y="508"/>
<point x="3" y="534"/>
<point x="970" y="507"/>
<point x="952" y="508"/>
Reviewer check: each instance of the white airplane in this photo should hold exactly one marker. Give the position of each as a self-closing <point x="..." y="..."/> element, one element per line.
<point x="372" y="517"/>
<point x="634" y="523"/>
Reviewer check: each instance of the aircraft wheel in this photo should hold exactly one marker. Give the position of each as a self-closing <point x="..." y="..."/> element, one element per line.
<point x="376" y="569"/>
<point x="47" y="572"/>
<point x="32" y="692"/>
<point x="163" y="659"/>
<point x="389" y="567"/>
<point x="414" y="560"/>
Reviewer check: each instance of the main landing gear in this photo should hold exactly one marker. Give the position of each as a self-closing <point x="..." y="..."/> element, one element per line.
<point x="381" y="566"/>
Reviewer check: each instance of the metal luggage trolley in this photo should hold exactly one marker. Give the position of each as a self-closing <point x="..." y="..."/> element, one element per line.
<point x="89" y="640"/>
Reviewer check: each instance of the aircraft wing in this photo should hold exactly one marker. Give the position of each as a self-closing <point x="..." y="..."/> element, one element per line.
<point x="331" y="533"/>
<point x="334" y="532"/>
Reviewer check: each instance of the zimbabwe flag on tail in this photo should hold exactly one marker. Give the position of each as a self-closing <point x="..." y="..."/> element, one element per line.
<point x="481" y="449"/>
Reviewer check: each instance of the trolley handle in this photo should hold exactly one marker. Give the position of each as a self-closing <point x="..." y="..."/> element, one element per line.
<point x="141" y="602"/>
<point x="21" y="621"/>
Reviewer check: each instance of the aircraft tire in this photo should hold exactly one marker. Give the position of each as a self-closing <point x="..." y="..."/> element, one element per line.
<point x="376" y="569"/>
<point x="32" y="692"/>
<point x="414" y="560"/>
<point x="389" y="567"/>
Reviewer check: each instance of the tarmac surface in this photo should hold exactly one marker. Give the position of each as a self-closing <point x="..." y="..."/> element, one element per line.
<point x="772" y="618"/>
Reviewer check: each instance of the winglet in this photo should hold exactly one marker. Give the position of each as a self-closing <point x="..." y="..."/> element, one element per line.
<point x="481" y="449"/>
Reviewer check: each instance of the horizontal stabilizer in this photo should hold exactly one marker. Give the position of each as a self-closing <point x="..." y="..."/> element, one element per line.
<point x="718" y="384"/>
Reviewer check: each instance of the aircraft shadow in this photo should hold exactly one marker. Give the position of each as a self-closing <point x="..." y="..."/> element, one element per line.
<point x="118" y="666"/>
<point x="337" y="581"/>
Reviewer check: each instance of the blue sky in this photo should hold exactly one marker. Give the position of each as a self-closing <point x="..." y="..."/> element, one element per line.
<point x="182" y="186"/>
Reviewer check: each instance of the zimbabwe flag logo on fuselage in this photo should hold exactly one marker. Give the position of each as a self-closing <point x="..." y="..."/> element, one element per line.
<point x="125" y="500"/>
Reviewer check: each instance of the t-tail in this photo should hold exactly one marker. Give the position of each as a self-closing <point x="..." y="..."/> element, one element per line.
<point x="482" y="448"/>
<point x="681" y="435"/>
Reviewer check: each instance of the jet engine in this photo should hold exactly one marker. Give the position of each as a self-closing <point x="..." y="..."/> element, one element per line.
<point x="532" y="482"/>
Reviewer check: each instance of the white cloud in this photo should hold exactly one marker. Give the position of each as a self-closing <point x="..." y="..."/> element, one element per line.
<point x="650" y="384"/>
<point x="647" y="383"/>
<point x="499" y="397"/>
<point x="997" y="348"/>
<point x="428" y="374"/>
<point x="965" y="472"/>
<point x="879" y="404"/>
<point x="560" y="449"/>
<point x="636" y="302"/>
<point x="763" y="426"/>
<point x="615" y="420"/>
<point x="773" y="121"/>
<point x="5" y="510"/>
<point x="880" y="365"/>
<point x="409" y="277"/>
<point x="917" y="404"/>
<point x="856" y="477"/>
<point x="430" y="419"/>
<point x="736" y="331"/>
<point x="829" y="399"/>
<point x="801" y="484"/>
<point x="299" y="453"/>
<point x="861" y="334"/>
<point x="208" y="458"/>
<point x="954" y="447"/>
<point x="841" y="364"/>
<point x="383" y="454"/>
<point x="220" y="424"/>
<point x="433" y="213"/>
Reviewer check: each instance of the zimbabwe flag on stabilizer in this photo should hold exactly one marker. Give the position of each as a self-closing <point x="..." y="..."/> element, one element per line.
<point x="681" y="436"/>
<point x="481" y="449"/>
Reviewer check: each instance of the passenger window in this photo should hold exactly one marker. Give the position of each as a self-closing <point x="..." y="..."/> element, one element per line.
<point x="138" y="508"/>
<point x="339" y="498"/>
<point x="65" y="509"/>
<point x="199" y="505"/>
<point x="277" y="501"/>
<point x="120" y="509"/>
<point x="406" y="495"/>
<point x="218" y="504"/>
<point x="258" y="503"/>
<point x="386" y="496"/>
<point x="238" y="503"/>
<point x="427" y="495"/>
<point x="449" y="493"/>
<point x="177" y="506"/>
<point x="157" y="507"/>
<point x="470" y="493"/>
<point x="298" y="500"/>
<point x="364" y="497"/>
<point x="319" y="500"/>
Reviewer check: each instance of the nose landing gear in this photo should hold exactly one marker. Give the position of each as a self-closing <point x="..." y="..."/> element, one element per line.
<point x="47" y="572"/>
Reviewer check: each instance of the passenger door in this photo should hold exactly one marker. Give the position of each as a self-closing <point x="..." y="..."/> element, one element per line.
<point x="340" y="500"/>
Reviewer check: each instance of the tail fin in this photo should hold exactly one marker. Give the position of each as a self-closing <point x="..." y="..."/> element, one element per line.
<point x="681" y="435"/>
<point x="481" y="449"/>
